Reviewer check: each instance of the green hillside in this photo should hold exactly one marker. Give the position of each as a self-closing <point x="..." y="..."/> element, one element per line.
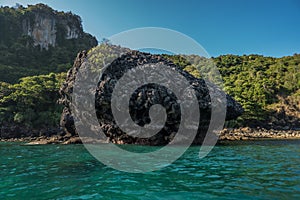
<point x="31" y="73"/>
<point x="32" y="102"/>
<point x="260" y="84"/>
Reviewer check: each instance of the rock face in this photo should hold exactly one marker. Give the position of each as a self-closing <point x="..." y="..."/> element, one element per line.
<point x="39" y="40"/>
<point x="142" y="100"/>
<point x="67" y="122"/>
<point x="42" y="31"/>
<point x="44" y="24"/>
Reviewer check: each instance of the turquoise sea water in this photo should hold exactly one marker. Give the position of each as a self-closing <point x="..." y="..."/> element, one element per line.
<point x="247" y="170"/>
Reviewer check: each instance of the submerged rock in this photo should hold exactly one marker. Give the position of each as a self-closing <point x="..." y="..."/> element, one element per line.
<point x="142" y="99"/>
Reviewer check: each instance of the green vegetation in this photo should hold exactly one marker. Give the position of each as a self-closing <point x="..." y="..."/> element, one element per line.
<point x="257" y="82"/>
<point x="32" y="102"/>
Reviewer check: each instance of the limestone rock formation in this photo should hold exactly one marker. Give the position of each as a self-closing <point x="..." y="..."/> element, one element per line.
<point x="44" y="25"/>
<point x="37" y="40"/>
<point x="142" y="100"/>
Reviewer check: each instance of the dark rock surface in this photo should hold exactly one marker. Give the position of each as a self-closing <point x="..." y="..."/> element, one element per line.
<point x="66" y="90"/>
<point x="18" y="131"/>
<point x="141" y="101"/>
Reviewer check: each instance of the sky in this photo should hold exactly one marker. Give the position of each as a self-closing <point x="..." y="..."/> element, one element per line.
<point x="266" y="27"/>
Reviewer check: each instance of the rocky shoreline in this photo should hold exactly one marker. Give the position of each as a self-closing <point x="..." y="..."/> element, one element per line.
<point x="41" y="140"/>
<point x="228" y="134"/>
<point x="247" y="133"/>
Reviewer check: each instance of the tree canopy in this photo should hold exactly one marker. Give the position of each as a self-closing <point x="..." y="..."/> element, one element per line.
<point x="32" y="101"/>
<point x="257" y="82"/>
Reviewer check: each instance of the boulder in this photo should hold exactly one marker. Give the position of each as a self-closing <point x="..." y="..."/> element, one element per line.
<point x="142" y="99"/>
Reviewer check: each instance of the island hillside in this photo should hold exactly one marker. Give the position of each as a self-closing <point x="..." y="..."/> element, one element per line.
<point x="38" y="45"/>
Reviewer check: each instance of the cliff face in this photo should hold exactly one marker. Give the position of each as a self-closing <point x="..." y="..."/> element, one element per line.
<point x="43" y="31"/>
<point x="45" y="26"/>
<point x="38" y="40"/>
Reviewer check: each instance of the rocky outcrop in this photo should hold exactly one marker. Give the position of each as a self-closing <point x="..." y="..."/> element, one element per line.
<point x="39" y="40"/>
<point x="141" y="101"/>
<point x="66" y="90"/>
<point x="45" y="25"/>
<point x="40" y="25"/>
<point x="145" y="97"/>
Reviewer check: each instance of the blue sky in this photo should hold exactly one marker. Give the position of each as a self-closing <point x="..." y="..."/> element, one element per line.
<point x="270" y="27"/>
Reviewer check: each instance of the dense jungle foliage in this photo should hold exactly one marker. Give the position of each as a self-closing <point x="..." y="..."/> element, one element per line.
<point x="257" y="82"/>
